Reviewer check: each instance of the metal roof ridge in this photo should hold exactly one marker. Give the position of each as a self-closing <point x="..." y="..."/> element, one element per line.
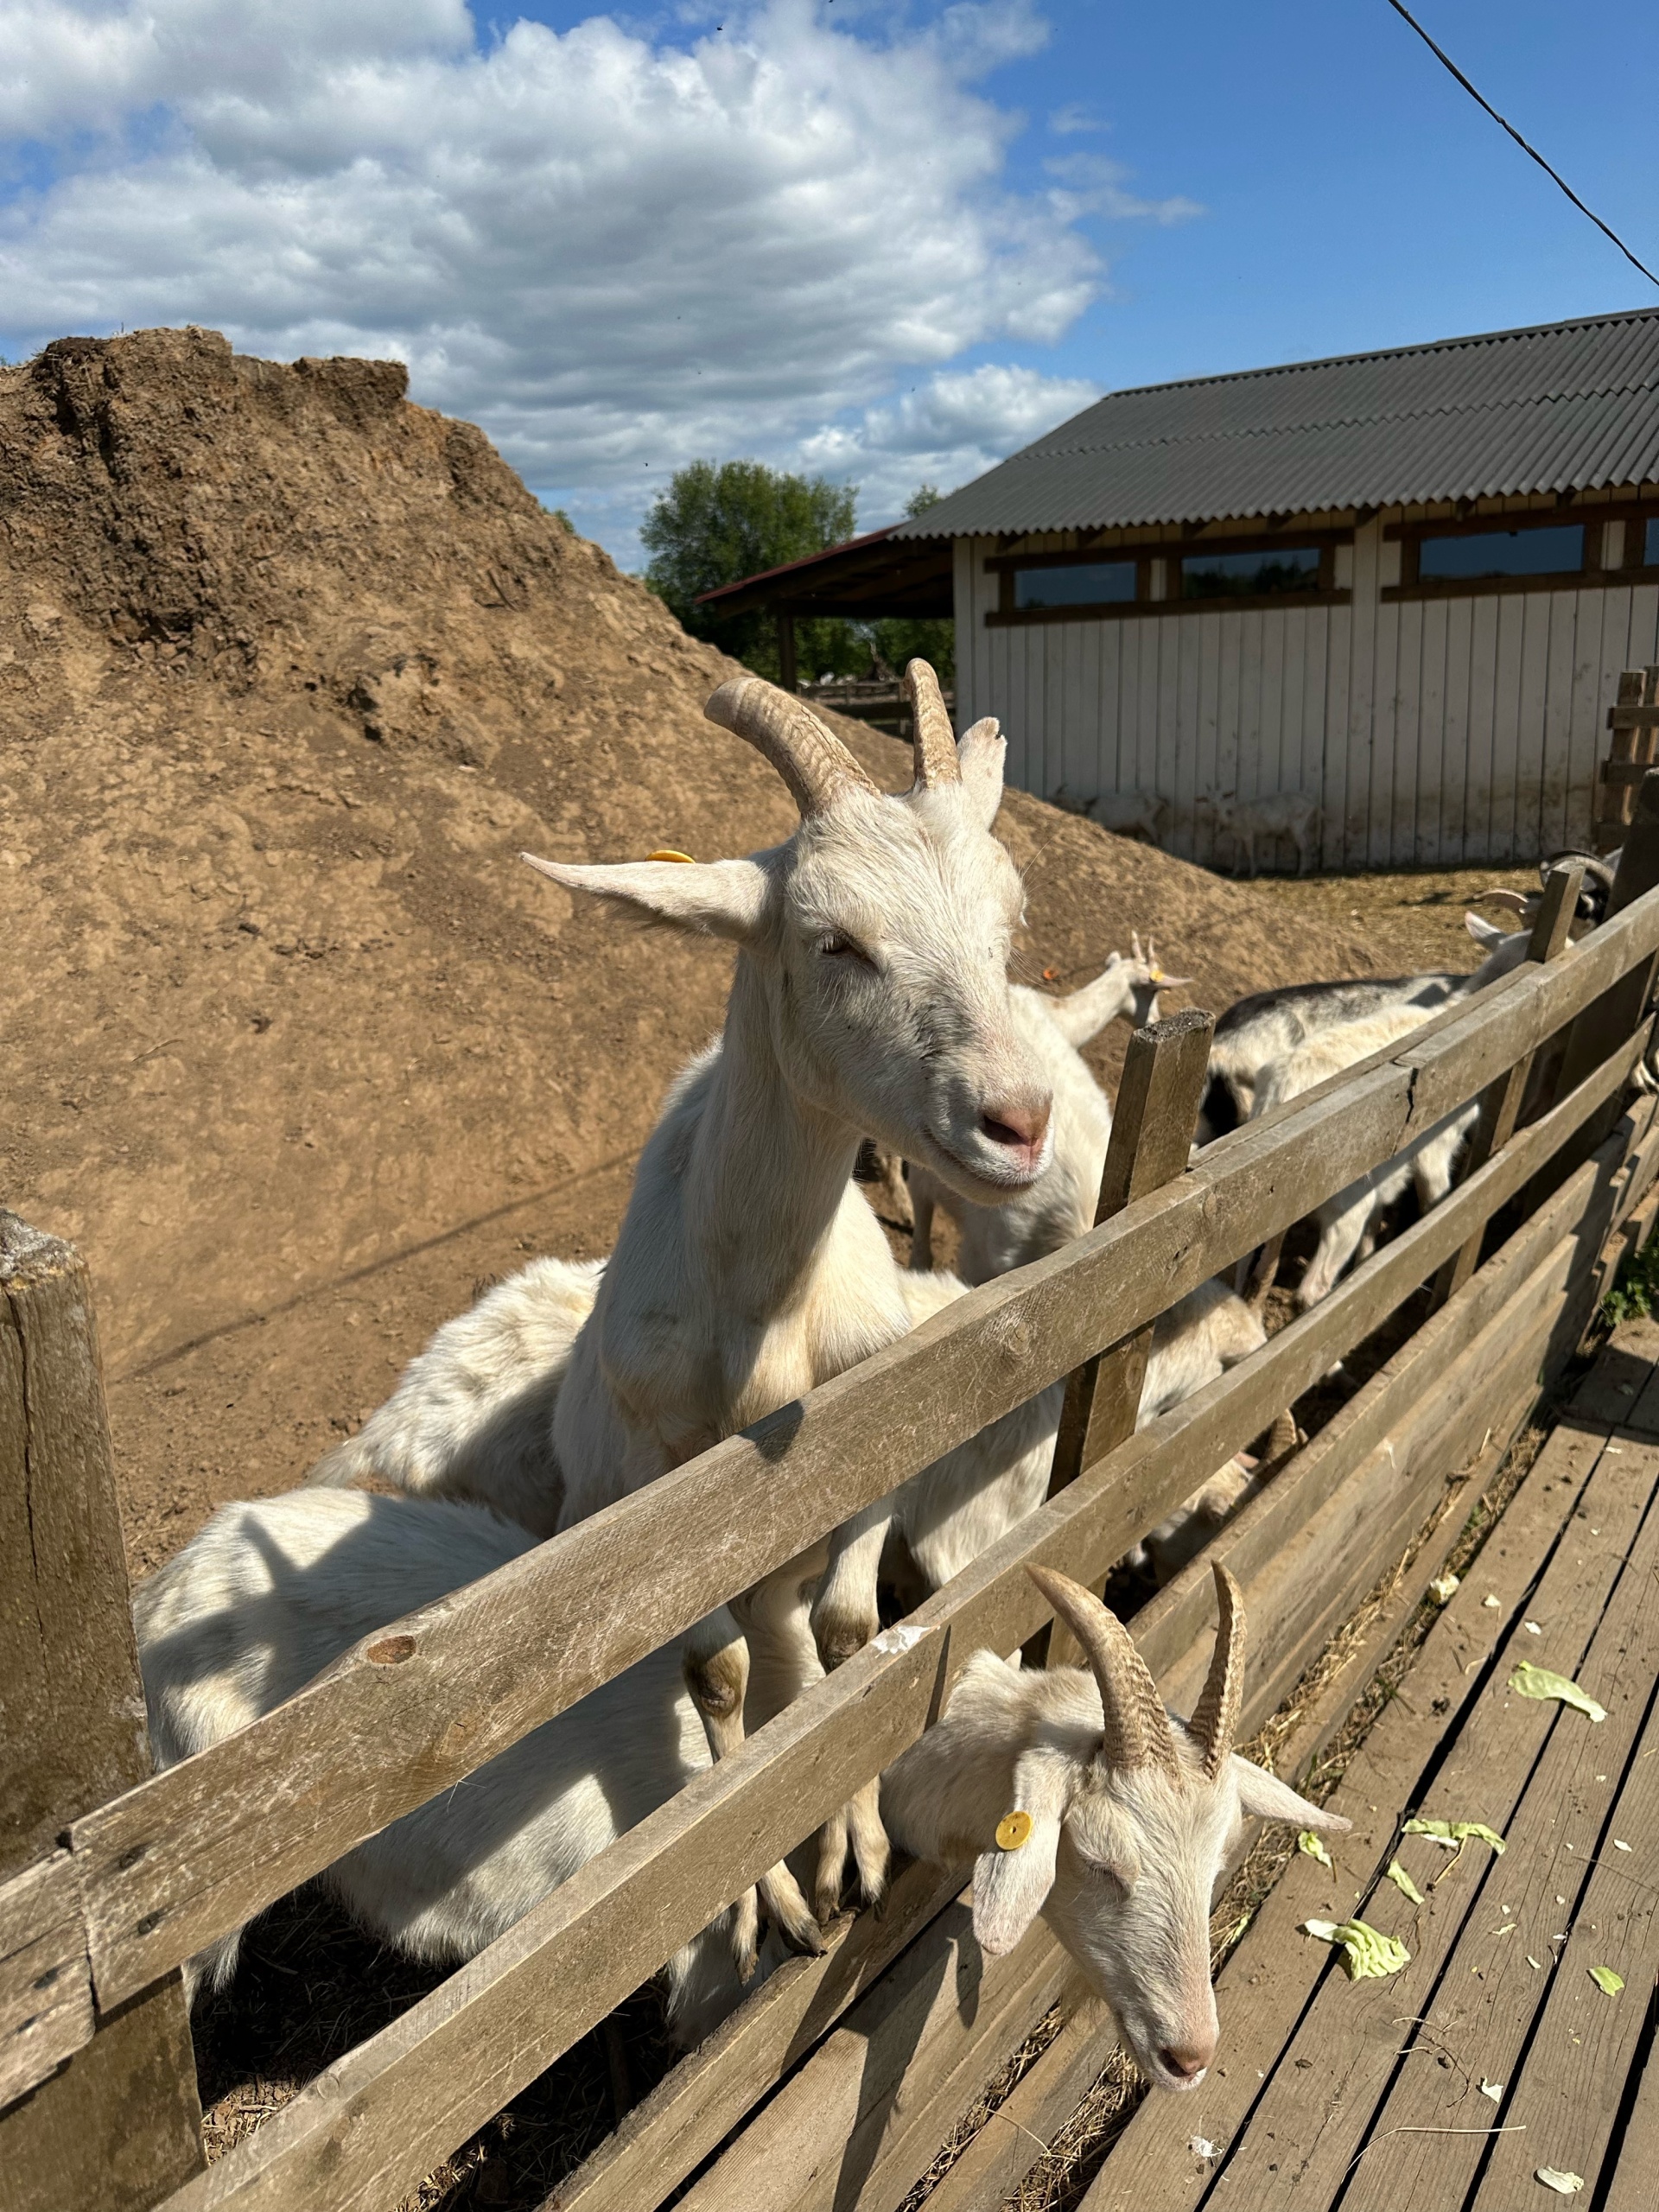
<point x="1384" y="353"/>
<point x="1216" y="437"/>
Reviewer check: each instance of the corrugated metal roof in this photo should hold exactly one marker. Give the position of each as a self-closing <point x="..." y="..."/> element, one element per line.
<point x="1568" y="406"/>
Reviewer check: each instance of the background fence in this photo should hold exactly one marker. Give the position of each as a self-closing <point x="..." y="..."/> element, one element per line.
<point x="849" y="2069"/>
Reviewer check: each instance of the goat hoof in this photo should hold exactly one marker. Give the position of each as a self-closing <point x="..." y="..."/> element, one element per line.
<point x="841" y="1640"/>
<point x="788" y="1911"/>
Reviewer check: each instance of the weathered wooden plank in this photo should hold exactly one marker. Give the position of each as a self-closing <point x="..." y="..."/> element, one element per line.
<point x="1312" y="1581"/>
<point x="1011" y="2140"/>
<point x="670" y="2131"/>
<point x="1330" y="2089"/>
<point x="1621" y="1004"/>
<point x="201" y="1847"/>
<point x="1573" y="2077"/>
<point x="1265" y="1984"/>
<point x="1163" y="1073"/>
<point x="46" y="1990"/>
<point x="1500" y="1108"/>
<point x="71" y="1719"/>
<point x="116" y="2122"/>
<point x="864" y="2114"/>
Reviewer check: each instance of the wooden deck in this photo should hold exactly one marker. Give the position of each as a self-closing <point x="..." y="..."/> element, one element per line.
<point x="1446" y="2087"/>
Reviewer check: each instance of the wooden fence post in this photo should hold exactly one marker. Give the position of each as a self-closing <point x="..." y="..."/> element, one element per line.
<point x="1152" y="1124"/>
<point x="117" y="2125"/>
<point x="1634" y="722"/>
<point x="1500" y="1108"/>
<point x="1607" y="1021"/>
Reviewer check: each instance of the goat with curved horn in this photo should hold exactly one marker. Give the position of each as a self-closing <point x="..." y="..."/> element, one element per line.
<point x="809" y="756"/>
<point x="934" y="741"/>
<point x="1215" y="1717"/>
<point x="1136" y="1731"/>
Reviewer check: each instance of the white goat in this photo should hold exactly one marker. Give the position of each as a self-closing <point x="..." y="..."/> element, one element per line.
<point x="1060" y="1203"/>
<point x="270" y="1593"/>
<point x="870" y="995"/>
<point x="1131" y="814"/>
<point x="1348" y="1221"/>
<point x="473" y="1414"/>
<point x="1277" y="814"/>
<point x="1260" y="1031"/>
<point x="1130" y="1814"/>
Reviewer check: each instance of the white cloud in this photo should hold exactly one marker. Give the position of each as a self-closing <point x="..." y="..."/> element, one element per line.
<point x="951" y="428"/>
<point x="1067" y="121"/>
<point x="616" y="254"/>
<point x="1090" y="185"/>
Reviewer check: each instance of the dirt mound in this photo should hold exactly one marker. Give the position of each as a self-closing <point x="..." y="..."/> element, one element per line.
<point x="289" y="670"/>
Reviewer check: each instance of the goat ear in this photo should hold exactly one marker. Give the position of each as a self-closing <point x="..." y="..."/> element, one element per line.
<point x="981" y="752"/>
<point x="714" y="898"/>
<point x="1270" y="1799"/>
<point x="1483" y="932"/>
<point x="1010" y="1887"/>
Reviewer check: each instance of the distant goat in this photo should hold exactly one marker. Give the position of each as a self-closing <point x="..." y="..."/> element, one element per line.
<point x="1260" y="1031"/>
<point x="1348" y="1222"/>
<point x="1278" y="814"/>
<point x="1132" y="813"/>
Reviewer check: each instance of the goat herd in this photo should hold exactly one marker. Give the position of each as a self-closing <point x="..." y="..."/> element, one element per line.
<point x="870" y="999"/>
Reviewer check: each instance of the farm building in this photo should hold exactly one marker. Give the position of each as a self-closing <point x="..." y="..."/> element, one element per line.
<point x="1403" y="583"/>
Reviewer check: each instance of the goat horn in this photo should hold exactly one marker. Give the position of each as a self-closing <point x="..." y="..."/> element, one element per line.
<point x="1215" y="1717"/>
<point x="810" y="758"/>
<point x="1136" y="1730"/>
<point x="934" y="739"/>
<point x="1517" y="901"/>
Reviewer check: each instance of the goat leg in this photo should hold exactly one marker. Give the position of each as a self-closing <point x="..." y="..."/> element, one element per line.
<point x="716" y="1661"/>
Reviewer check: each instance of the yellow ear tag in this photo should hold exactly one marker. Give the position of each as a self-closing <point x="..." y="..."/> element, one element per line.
<point x="667" y="853"/>
<point x="1011" y="1830"/>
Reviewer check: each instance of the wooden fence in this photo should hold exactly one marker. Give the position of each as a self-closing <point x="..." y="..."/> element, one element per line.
<point x="834" y="2081"/>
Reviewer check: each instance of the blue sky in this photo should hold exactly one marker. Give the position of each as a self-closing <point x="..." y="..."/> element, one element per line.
<point x="887" y="242"/>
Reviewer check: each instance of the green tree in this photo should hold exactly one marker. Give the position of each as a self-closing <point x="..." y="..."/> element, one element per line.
<point x="719" y="522"/>
<point x="902" y="638"/>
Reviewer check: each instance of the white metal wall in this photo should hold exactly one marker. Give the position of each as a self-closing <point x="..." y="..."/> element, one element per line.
<point x="1433" y="732"/>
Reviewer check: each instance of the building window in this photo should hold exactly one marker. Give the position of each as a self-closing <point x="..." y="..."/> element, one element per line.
<point x="1251" y="576"/>
<point x="1091" y="583"/>
<point x="1557" y="550"/>
<point x="1650" y="542"/>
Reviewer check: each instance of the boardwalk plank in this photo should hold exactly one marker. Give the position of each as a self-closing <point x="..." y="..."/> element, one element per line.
<point x="1574" y="2079"/>
<point x="1265" y="1984"/>
<point x="1344" y="2077"/>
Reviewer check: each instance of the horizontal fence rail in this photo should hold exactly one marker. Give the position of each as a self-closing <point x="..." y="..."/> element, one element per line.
<point x="195" y="1850"/>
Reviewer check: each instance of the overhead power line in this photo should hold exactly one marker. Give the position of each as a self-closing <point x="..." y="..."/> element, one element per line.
<point x="1445" y="61"/>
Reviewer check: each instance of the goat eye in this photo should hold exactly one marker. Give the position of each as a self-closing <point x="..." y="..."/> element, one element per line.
<point x="836" y="947"/>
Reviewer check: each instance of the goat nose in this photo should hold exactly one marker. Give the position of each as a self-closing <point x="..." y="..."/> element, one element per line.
<point x="1186" y="2062"/>
<point x="1015" y="1121"/>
